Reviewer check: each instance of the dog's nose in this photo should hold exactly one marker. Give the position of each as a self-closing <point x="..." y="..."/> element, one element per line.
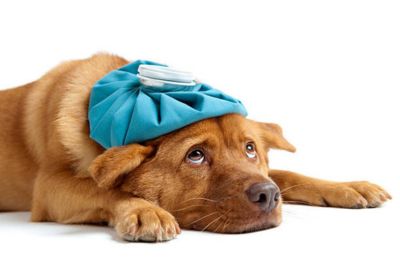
<point x="265" y="195"/>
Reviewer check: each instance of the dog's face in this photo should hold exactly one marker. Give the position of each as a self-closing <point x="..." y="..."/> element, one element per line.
<point x="211" y="175"/>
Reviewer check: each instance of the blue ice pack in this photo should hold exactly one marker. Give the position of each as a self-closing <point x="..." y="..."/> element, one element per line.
<point x="132" y="106"/>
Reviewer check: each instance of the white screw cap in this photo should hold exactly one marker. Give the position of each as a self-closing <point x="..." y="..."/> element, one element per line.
<point x="154" y="75"/>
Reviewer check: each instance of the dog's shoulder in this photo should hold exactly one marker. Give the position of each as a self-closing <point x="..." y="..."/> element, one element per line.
<point x="56" y="111"/>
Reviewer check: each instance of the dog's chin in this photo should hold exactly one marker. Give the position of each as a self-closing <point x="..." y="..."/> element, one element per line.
<point x="257" y="223"/>
<point x="243" y="224"/>
<point x="252" y="226"/>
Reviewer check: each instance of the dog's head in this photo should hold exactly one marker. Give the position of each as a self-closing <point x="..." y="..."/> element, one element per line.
<point x="211" y="175"/>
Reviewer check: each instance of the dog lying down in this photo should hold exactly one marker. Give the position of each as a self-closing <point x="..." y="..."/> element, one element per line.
<point x="211" y="175"/>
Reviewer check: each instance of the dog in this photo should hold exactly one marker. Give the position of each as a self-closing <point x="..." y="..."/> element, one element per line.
<point x="212" y="175"/>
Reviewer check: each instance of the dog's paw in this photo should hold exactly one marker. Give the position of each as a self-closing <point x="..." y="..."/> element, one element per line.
<point x="150" y="224"/>
<point x="355" y="195"/>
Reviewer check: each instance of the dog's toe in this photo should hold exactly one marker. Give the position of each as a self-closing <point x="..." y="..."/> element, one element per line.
<point x="354" y="195"/>
<point x="343" y="196"/>
<point x="373" y="194"/>
<point x="148" y="225"/>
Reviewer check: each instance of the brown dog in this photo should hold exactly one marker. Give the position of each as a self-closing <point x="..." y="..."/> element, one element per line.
<point x="212" y="175"/>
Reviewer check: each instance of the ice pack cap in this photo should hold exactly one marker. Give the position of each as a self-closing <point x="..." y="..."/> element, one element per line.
<point x="154" y="75"/>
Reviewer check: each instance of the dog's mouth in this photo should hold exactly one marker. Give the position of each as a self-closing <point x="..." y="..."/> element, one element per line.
<point x="252" y="225"/>
<point x="229" y="221"/>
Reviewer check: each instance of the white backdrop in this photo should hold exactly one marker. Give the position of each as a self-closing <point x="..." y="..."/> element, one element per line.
<point x="326" y="71"/>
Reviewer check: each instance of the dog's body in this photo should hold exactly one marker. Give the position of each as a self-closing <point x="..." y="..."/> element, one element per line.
<point x="49" y="165"/>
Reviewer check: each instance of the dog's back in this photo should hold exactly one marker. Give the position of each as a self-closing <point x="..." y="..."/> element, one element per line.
<point x="17" y="167"/>
<point x="44" y="125"/>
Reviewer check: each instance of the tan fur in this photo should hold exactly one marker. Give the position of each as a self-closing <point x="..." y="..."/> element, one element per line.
<point x="49" y="165"/>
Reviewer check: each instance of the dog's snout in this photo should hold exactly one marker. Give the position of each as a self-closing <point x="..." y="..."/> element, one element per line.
<point x="265" y="195"/>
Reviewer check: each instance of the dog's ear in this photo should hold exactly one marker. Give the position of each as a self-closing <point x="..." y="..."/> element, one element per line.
<point x="271" y="135"/>
<point x="113" y="163"/>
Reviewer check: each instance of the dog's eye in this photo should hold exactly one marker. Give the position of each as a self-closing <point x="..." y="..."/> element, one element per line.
<point x="196" y="156"/>
<point x="251" y="150"/>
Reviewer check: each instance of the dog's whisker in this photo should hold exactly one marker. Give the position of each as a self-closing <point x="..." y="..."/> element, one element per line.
<point x="295" y="202"/>
<point x="213" y="221"/>
<point x="201" y="198"/>
<point x="206" y="216"/>
<point x="291" y="187"/>
<point x="219" y="225"/>
<point x="226" y="223"/>
<point x="225" y="213"/>
<point x="188" y="207"/>
<point x="228" y="198"/>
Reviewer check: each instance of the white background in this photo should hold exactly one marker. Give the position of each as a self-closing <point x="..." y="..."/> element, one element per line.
<point x="327" y="71"/>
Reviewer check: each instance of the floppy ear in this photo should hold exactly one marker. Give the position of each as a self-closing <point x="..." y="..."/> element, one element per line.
<point x="116" y="161"/>
<point x="272" y="136"/>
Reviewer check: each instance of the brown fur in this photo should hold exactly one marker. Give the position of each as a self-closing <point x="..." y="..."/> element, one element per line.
<point x="49" y="165"/>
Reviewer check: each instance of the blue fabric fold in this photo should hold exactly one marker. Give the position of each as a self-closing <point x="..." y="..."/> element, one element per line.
<point x="123" y="111"/>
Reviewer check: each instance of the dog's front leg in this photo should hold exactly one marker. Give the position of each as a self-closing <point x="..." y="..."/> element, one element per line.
<point x="297" y="188"/>
<point x="63" y="198"/>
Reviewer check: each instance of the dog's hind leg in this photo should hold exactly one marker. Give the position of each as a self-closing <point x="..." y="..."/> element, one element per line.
<point x="297" y="188"/>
